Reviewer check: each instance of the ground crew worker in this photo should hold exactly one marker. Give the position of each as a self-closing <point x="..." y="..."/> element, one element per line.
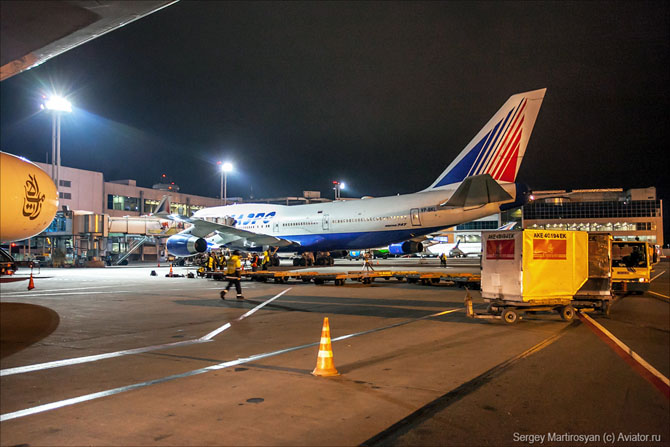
<point x="266" y="260"/>
<point x="254" y="262"/>
<point x="233" y="274"/>
<point x="222" y="261"/>
<point x="210" y="263"/>
<point x="367" y="264"/>
<point x="443" y="260"/>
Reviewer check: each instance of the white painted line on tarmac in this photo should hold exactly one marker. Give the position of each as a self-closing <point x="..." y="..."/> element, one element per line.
<point x="92" y="358"/>
<point x="20" y="293"/>
<point x="69" y="293"/>
<point x="109" y="355"/>
<point x="242" y="317"/>
<point x="658" y="294"/>
<point x="98" y="395"/>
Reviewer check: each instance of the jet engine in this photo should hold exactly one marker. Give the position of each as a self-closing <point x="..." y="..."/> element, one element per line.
<point x="405" y="248"/>
<point x="186" y="245"/>
<point x="28" y="199"/>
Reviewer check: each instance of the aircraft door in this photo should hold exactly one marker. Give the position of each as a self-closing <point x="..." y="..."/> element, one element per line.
<point x="326" y="222"/>
<point x="415" y="217"/>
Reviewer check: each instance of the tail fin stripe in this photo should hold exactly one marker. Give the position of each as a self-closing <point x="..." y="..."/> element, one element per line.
<point x="486" y="140"/>
<point x="505" y="145"/>
<point x="510" y="150"/>
<point x="511" y="165"/>
<point x="493" y="148"/>
<point x="518" y="111"/>
<point x="505" y="153"/>
<point x="509" y="153"/>
<point x="497" y="131"/>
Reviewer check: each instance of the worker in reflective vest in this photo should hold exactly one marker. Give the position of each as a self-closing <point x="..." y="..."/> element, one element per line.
<point x="233" y="274"/>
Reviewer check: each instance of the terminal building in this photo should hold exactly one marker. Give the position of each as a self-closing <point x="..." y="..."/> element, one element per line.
<point x="101" y="219"/>
<point x="627" y="214"/>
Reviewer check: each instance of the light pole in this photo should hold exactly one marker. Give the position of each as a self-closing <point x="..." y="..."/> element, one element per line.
<point x="56" y="105"/>
<point x="225" y="169"/>
<point x="337" y="186"/>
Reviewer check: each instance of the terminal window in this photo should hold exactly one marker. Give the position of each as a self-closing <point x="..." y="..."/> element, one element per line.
<point x="65" y="183"/>
<point x="64" y="195"/>
<point x="123" y="203"/>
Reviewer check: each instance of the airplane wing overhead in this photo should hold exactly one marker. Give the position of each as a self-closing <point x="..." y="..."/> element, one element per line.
<point x="477" y="190"/>
<point x="33" y="32"/>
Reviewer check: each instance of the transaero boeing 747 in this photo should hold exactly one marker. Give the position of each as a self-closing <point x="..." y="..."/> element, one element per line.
<point x="478" y="183"/>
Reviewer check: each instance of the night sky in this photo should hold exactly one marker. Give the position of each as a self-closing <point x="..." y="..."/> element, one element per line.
<point x="380" y="95"/>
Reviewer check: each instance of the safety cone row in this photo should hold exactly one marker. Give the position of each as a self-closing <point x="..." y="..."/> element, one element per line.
<point x="324" y="361"/>
<point x="31" y="283"/>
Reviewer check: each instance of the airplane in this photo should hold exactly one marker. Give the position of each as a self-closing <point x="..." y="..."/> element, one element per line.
<point x="28" y="198"/>
<point x="478" y="183"/>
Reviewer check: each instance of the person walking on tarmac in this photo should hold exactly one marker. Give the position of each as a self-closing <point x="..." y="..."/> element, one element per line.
<point x="210" y="262"/>
<point x="233" y="273"/>
<point x="443" y="260"/>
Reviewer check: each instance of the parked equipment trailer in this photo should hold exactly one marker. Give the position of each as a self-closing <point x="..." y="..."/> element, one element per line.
<point x="531" y="271"/>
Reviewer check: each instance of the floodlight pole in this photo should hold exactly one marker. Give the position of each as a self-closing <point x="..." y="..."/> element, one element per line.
<point x="225" y="188"/>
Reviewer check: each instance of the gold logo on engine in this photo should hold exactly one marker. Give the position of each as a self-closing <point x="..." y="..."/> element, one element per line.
<point x="32" y="202"/>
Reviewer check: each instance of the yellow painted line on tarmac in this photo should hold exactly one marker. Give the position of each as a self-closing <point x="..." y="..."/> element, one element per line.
<point x="659" y="294"/>
<point x="660" y="274"/>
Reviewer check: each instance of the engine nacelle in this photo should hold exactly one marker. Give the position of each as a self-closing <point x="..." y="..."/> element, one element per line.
<point x="405" y="248"/>
<point x="29" y="199"/>
<point x="185" y="245"/>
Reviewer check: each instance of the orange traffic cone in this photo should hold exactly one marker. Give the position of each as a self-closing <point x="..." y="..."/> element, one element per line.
<point x="170" y="269"/>
<point x="324" y="361"/>
<point x="31" y="283"/>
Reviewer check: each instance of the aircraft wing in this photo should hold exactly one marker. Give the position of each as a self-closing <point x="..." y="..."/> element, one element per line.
<point x="35" y="31"/>
<point x="228" y="233"/>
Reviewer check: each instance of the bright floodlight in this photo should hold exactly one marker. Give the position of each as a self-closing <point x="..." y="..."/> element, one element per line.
<point x="227" y="167"/>
<point x="342" y="185"/>
<point x="59" y="104"/>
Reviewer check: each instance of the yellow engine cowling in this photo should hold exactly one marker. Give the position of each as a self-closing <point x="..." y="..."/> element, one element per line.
<point x="28" y="199"/>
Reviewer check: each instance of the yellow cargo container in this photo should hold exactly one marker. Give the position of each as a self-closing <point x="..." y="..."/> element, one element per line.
<point x="536" y="270"/>
<point x="534" y="265"/>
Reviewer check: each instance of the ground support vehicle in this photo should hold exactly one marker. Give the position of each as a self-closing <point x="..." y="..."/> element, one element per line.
<point x="529" y="271"/>
<point x="632" y="263"/>
<point x="7" y="263"/>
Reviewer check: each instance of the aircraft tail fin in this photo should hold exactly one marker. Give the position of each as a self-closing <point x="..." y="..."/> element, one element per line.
<point x="499" y="146"/>
<point x="163" y="208"/>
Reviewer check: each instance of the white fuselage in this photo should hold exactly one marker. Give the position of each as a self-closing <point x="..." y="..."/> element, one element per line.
<point x="352" y="224"/>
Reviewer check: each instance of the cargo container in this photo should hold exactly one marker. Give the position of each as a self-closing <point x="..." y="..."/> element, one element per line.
<point x="531" y="271"/>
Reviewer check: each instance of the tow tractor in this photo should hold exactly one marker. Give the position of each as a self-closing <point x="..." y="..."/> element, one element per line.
<point x="632" y="263"/>
<point x="531" y="271"/>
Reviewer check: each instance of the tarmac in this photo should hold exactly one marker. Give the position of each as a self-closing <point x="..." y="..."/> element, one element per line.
<point x="115" y="356"/>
